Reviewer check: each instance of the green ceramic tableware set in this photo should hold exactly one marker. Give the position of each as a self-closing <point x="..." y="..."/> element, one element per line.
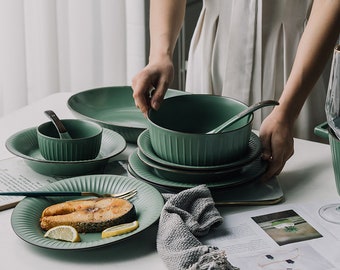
<point x="173" y="150"/>
<point x="177" y="151"/>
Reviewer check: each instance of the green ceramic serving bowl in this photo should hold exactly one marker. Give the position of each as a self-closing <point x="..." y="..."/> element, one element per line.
<point x="178" y="130"/>
<point x="84" y="145"/>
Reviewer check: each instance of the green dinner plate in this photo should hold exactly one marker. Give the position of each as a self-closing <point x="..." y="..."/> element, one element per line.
<point x="24" y="144"/>
<point x="248" y="173"/>
<point x="25" y="217"/>
<point x="113" y="108"/>
<point x="144" y="144"/>
<point x="191" y="176"/>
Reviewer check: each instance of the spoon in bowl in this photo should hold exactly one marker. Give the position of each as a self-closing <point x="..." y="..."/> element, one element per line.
<point x="63" y="133"/>
<point x="242" y="114"/>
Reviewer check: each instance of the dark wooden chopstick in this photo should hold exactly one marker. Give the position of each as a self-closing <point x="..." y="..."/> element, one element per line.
<point x="43" y="193"/>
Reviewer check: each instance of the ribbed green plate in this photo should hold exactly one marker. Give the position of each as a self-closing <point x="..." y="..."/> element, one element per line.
<point x="25" y="217"/>
<point x="188" y="176"/>
<point x="248" y="173"/>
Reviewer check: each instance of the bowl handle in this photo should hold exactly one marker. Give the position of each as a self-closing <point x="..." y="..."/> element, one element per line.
<point x="322" y="130"/>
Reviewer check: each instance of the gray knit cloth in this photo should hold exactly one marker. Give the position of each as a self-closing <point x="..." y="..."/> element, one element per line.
<point x="185" y="216"/>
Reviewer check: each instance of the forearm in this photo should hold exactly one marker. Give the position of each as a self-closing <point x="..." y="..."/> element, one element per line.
<point x="313" y="52"/>
<point x="166" y="20"/>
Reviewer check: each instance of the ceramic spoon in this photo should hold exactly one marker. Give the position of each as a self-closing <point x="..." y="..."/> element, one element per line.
<point x="63" y="134"/>
<point x="242" y="114"/>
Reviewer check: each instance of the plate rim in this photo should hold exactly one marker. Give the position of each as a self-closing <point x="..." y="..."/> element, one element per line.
<point x="106" y="132"/>
<point x="26" y="203"/>
<point x="181" y="185"/>
<point x="193" y="176"/>
<point x="159" y="166"/>
<point x="141" y="127"/>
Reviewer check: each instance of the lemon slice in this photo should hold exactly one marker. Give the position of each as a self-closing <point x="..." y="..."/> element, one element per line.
<point x="64" y="233"/>
<point x="120" y="229"/>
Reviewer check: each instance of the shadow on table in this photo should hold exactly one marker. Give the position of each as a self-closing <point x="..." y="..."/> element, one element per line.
<point x="136" y="246"/>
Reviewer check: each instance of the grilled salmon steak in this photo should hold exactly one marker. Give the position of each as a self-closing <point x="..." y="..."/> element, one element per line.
<point x="91" y="215"/>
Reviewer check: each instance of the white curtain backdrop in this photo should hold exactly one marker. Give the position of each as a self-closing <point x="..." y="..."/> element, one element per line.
<point x="47" y="46"/>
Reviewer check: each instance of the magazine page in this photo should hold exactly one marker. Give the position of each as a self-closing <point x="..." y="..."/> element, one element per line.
<point x="277" y="237"/>
<point x="15" y="175"/>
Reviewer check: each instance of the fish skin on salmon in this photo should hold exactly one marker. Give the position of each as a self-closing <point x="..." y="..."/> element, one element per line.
<point x="89" y="215"/>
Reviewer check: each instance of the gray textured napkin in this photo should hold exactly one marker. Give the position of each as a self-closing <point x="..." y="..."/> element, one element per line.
<point x="186" y="216"/>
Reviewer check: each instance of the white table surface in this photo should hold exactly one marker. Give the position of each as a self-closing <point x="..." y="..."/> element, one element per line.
<point x="307" y="177"/>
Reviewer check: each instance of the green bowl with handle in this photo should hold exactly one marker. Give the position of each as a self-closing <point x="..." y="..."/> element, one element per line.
<point x="178" y="130"/>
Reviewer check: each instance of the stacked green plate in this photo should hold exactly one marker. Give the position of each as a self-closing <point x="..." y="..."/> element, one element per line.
<point x="141" y="170"/>
<point x="145" y="164"/>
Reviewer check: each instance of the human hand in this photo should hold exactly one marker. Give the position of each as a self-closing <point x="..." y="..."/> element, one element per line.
<point x="155" y="77"/>
<point x="276" y="135"/>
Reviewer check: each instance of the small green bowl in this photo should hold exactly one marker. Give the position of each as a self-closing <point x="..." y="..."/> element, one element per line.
<point x="178" y="130"/>
<point x="84" y="145"/>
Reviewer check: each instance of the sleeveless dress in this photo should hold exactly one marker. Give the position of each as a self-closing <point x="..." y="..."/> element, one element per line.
<point x="245" y="49"/>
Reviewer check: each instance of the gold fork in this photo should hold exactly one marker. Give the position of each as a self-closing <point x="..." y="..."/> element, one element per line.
<point x="124" y="195"/>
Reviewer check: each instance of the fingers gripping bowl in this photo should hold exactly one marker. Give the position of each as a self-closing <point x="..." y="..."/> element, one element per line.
<point x="178" y="130"/>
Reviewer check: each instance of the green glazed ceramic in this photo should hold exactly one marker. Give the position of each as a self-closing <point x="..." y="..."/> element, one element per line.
<point x="24" y="144"/>
<point x="248" y="173"/>
<point x="178" y="130"/>
<point x="187" y="175"/>
<point x="254" y="151"/>
<point x="25" y="217"/>
<point x="112" y="108"/>
<point x="84" y="145"/>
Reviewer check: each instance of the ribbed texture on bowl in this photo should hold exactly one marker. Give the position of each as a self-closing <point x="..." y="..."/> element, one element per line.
<point x="70" y="150"/>
<point x="203" y="150"/>
<point x="178" y="130"/>
<point x="84" y="145"/>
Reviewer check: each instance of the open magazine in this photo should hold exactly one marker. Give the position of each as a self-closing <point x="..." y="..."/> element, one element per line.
<point x="280" y="237"/>
<point x="15" y="175"/>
